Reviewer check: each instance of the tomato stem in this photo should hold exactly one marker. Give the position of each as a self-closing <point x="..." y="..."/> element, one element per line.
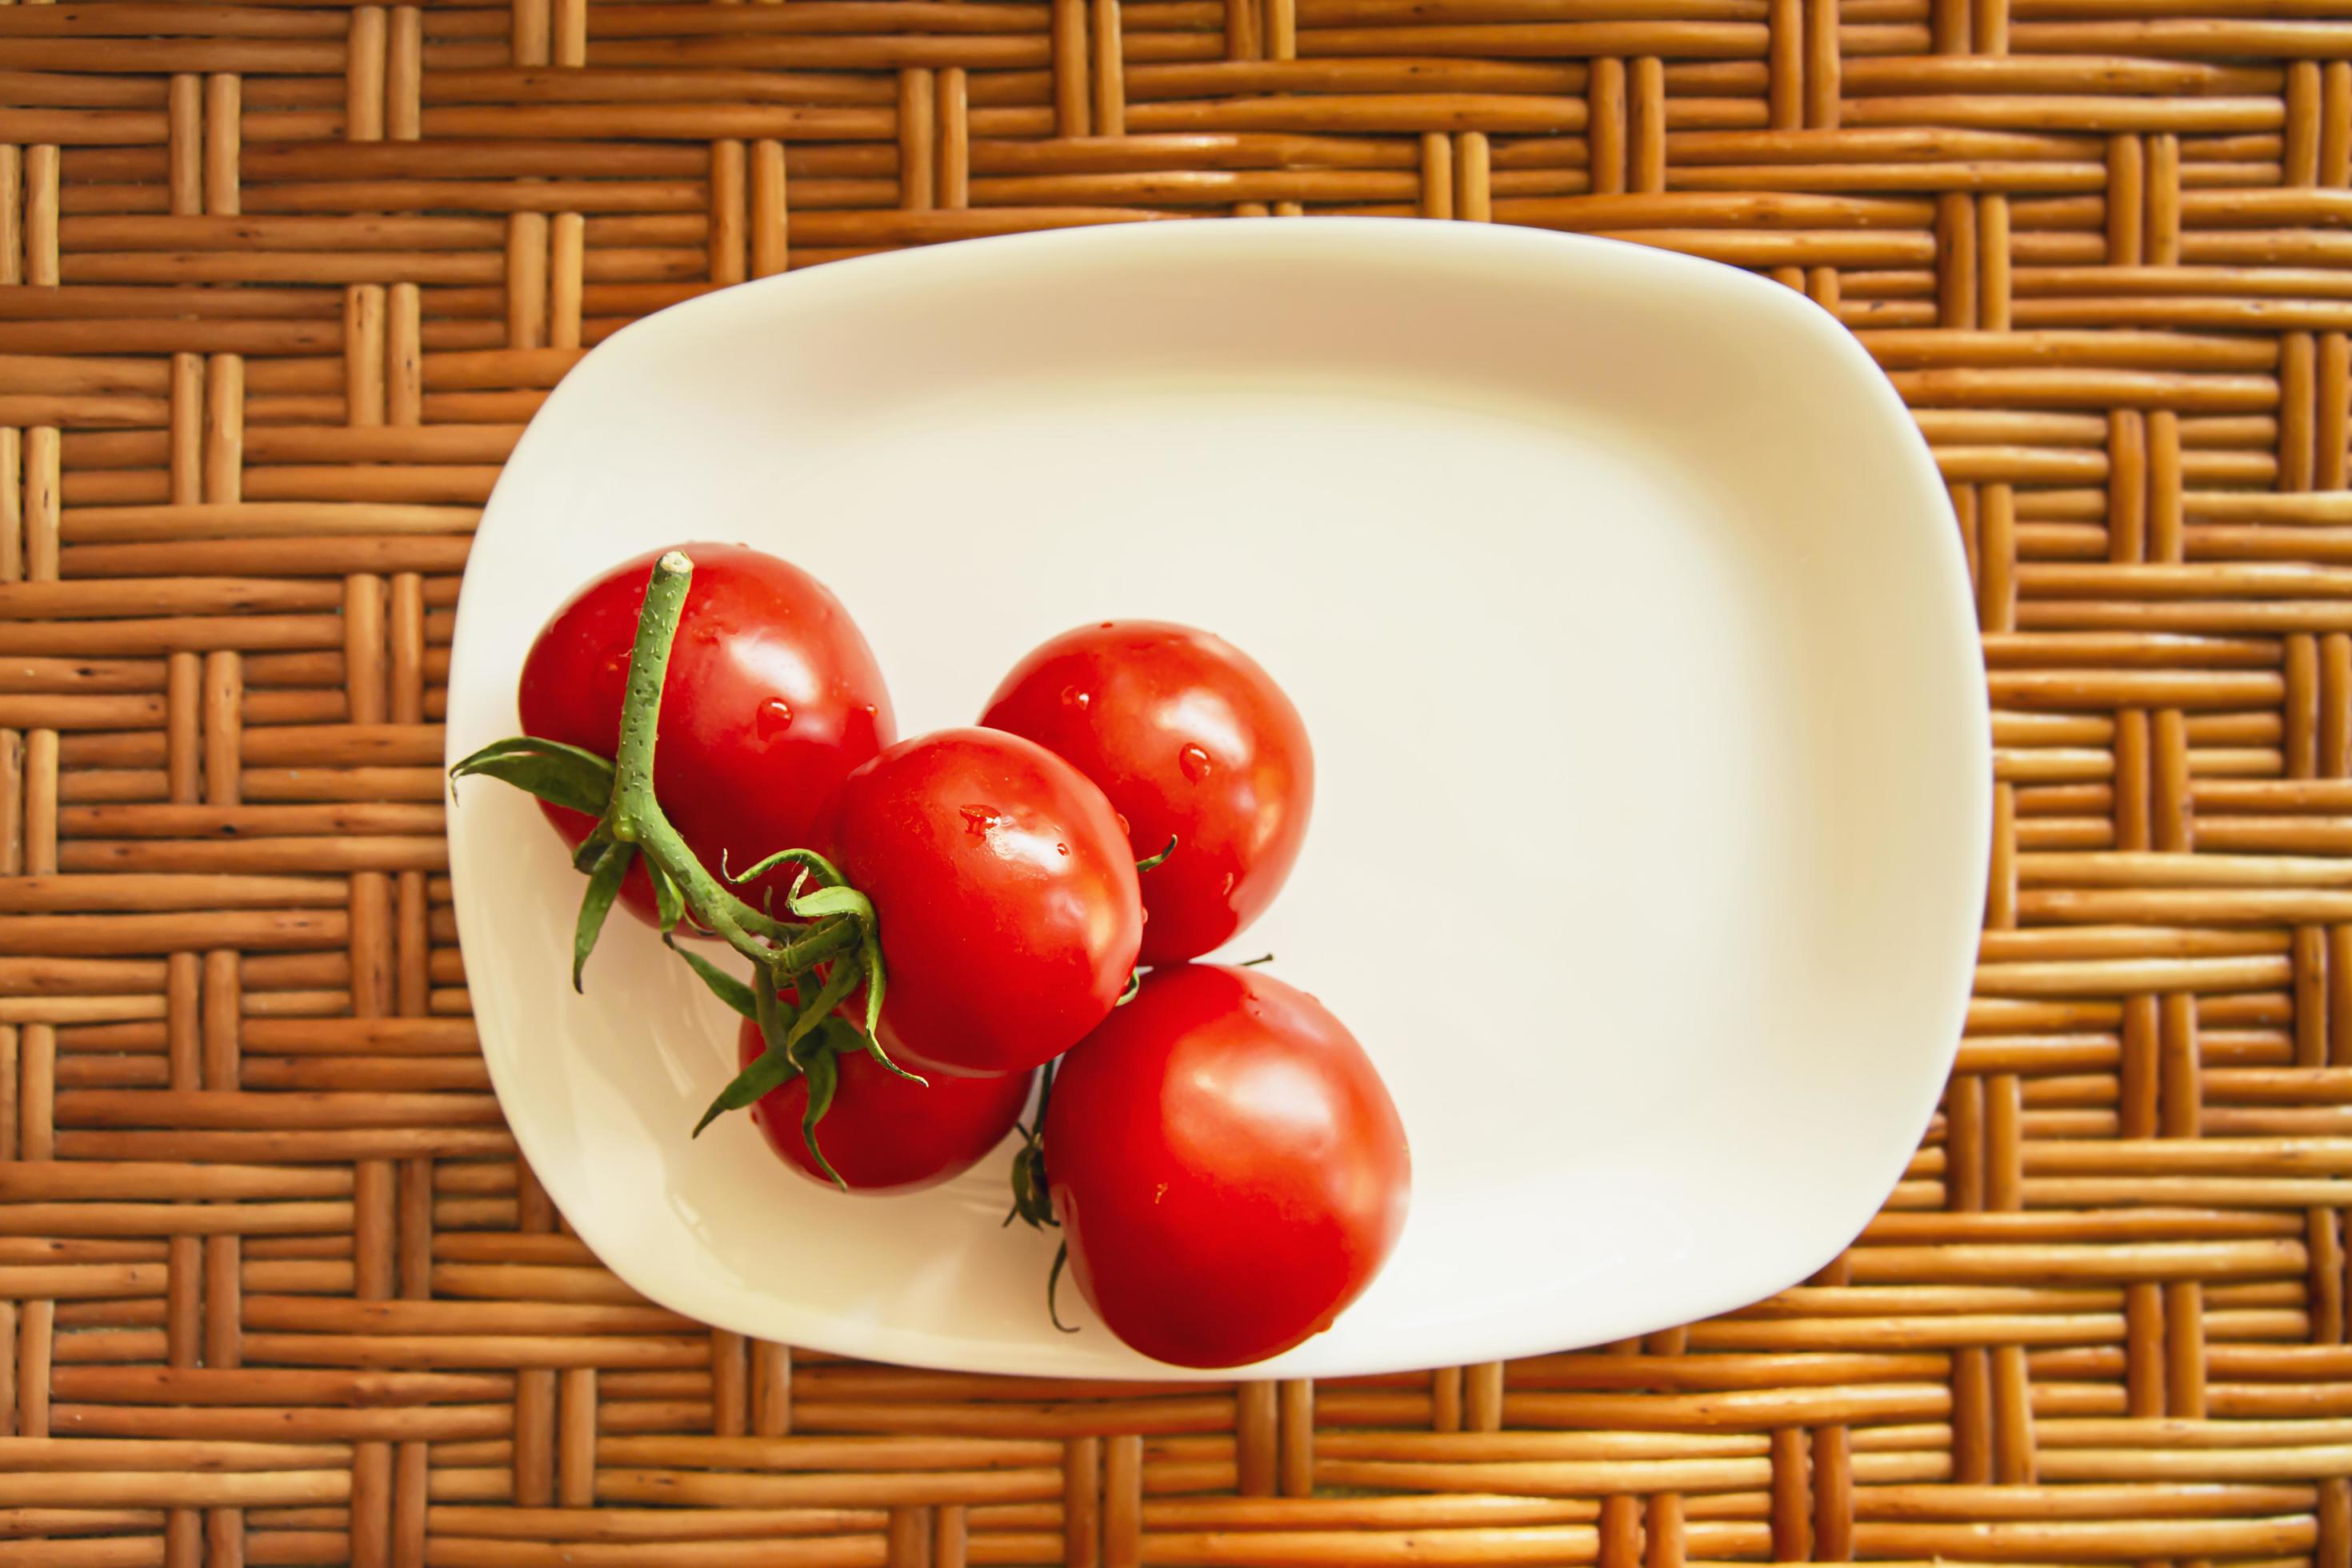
<point x="620" y="794"/>
<point x="633" y="760"/>
<point x="635" y="815"/>
<point x="839" y="918"/>
<point x="834" y="924"/>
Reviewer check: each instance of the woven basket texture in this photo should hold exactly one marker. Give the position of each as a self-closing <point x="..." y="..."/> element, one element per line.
<point x="282" y="283"/>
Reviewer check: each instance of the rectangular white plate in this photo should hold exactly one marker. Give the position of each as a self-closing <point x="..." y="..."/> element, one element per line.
<point x="1629" y="618"/>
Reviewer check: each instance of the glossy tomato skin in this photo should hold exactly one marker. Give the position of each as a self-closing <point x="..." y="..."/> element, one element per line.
<point x="883" y="1133"/>
<point x="1228" y="1167"/>
<point x="771" y="698"/>
<point x="1189" y="738"/>
<point x="1005" y="894"/>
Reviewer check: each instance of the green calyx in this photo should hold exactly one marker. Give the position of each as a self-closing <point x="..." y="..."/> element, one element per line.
<point x="611" y="865"/>
<point x="1032" y="1198"/>
<point x="1033" y="1201"/>
<point x="801" y="1042"/>
<point x="825" y="948"/>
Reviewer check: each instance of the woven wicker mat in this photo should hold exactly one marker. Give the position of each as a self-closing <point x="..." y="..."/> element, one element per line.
<point x="288" y="277"/>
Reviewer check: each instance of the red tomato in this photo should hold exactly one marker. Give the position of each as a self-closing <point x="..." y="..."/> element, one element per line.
<point x="772" y="697"/>
<point x="1227" y="1164"/>
<point x="1004" y="895"/>
<point x="1190" y="739"/>
<point x="883" y="1133"/>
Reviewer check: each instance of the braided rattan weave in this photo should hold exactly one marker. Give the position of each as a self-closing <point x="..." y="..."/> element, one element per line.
<point x="286" y="279"/>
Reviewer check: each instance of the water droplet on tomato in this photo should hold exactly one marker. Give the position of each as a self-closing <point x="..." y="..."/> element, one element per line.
<point x="1124" y="830"/>
<point x="1106" y="625"/>
<point x="1061" y="849"/>
<point x="978" y="819"/>
<point x="1074" y="698"/>
<point x="1194" y="761"/>
<point x="774" y="717"/>
<point x="1228" y="888"/>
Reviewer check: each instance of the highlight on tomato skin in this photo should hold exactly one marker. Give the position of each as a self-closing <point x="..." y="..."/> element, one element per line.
<point x="771" y="698"/>
<point x="1004" y="897"/>
<point x="1228" y="1168"/>
<point x="1192" y="741"/>
<point x="884" y="1133"/>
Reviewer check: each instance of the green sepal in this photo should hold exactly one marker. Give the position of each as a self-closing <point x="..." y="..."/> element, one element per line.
<point x="882" y="1059"/>
<point x="604" y="886"/>
<point x="878" y="981"/>
<point x="1152" y="862"/>
<point x="590" y="850"/>
<point x="816" y="1010"/>
<point x="723" y="986"/>
<point x="569" y="776"/>
<point x="832" y="902"/>
<point x="767" y="1009"/>
<point x="1053" y="1289"/>
<point x="1032" y="1200"/>
<point x="810" y="863"/>
<point x="772" y="1070"/>
<point x="823" y="1074"/>
<point x="669" y="903"/>
<point x="821" y="941"/>
<point x="773" y="1066"/>
<point x="795" y="1045"/>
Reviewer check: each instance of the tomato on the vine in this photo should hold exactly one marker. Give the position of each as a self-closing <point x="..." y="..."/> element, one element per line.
<point x="772" y="697"/>
<point x="1227" y="1166"/>
<point x="1003" y="893"/>
<point x="884" y="1133"/>
<point x="1192" y="742"/>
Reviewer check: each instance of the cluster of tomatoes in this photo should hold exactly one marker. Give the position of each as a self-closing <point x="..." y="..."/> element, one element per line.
<point x="971" y="919"/>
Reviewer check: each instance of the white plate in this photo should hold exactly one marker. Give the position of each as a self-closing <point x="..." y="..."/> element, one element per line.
<point x="1631" y="627"/>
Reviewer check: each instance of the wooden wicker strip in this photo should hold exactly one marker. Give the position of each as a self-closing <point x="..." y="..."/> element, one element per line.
<point x="279" y="284"/>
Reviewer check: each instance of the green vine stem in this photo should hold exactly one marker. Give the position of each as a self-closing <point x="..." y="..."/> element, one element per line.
<point x="635" y="816"/>
<point x="833" y="928"/>
<point x="630" y="815"/>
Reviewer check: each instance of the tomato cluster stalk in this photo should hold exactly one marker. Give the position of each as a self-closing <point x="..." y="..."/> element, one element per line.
<point x="820" y="950"/>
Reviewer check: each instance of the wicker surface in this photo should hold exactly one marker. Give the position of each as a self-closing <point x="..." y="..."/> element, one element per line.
<point x="292" y="277"/>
